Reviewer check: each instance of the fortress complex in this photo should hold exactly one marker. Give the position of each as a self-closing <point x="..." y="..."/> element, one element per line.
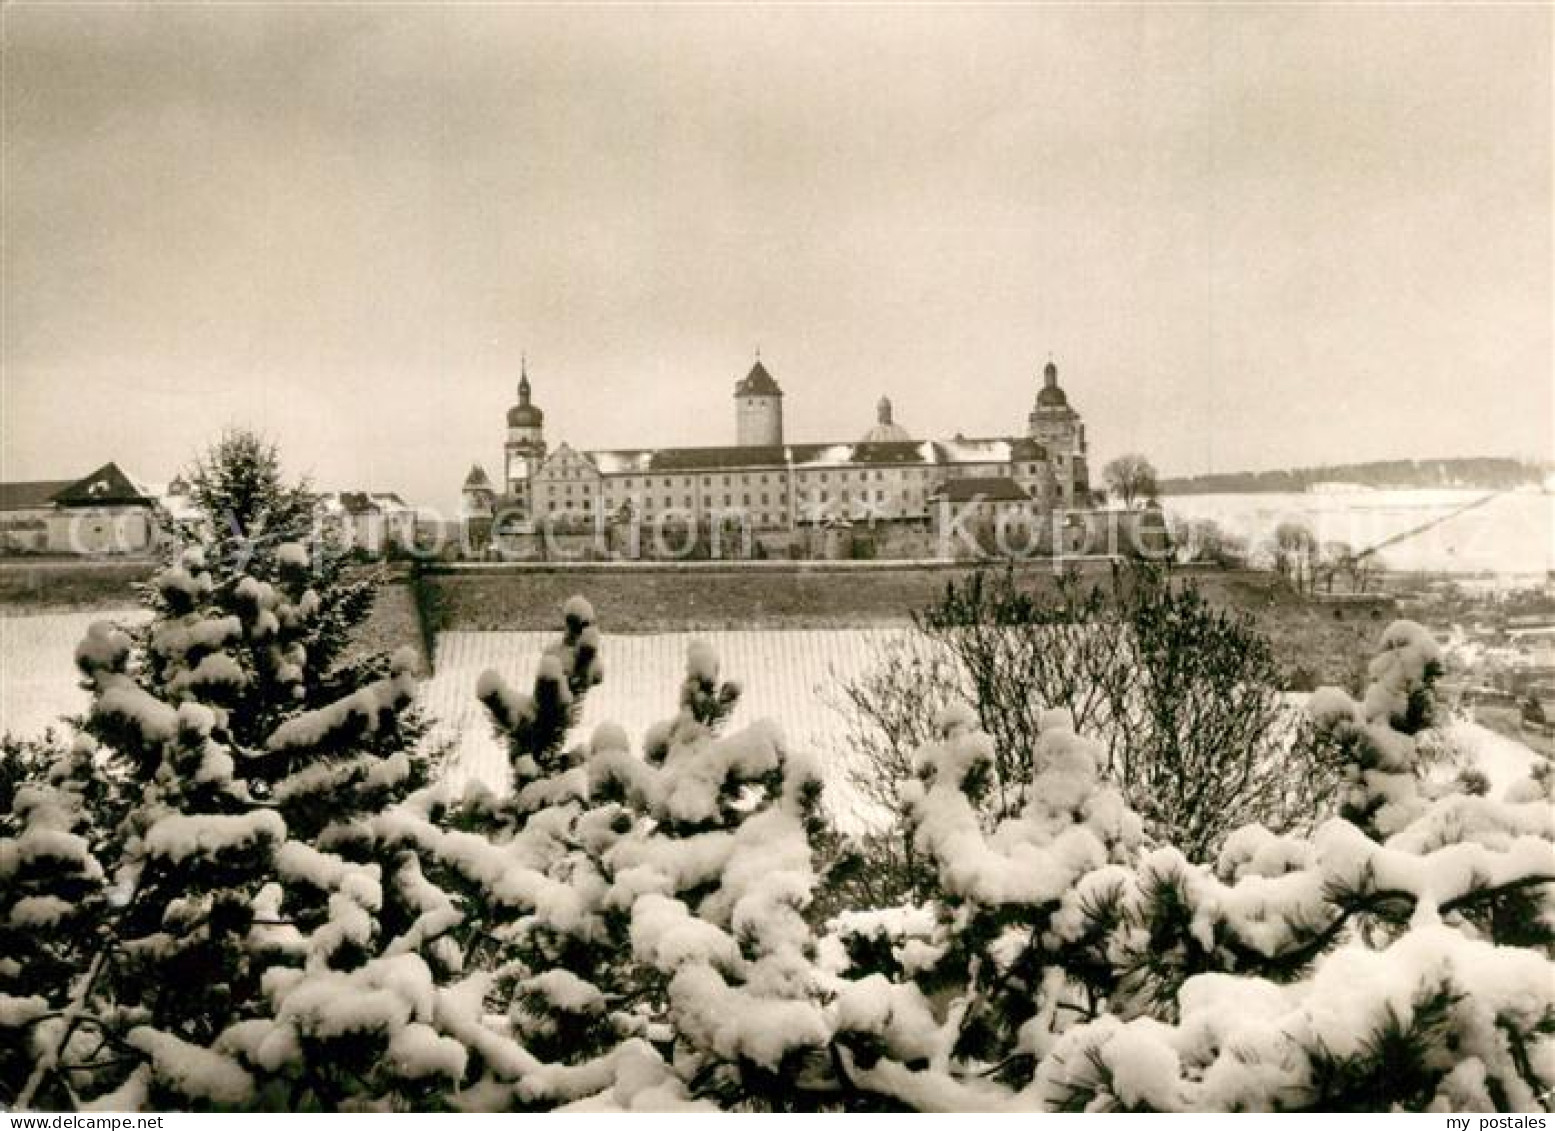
<point x="772" y="485"/>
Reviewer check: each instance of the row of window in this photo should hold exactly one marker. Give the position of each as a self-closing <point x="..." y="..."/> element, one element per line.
<point x="862" y="475"/>
<point x="577" y="473"/>
<point x="585" y="510"/>
<point x="765" y="498"/>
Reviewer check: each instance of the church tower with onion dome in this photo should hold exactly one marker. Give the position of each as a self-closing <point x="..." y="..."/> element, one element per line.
<point x="525" y="446"/>
<point x="1055" y="425"/>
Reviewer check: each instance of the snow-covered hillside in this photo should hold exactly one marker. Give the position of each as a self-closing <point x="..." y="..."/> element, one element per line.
<point x="1450" y="531"/>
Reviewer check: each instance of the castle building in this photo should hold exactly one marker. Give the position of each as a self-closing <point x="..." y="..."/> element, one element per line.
<point x="772" y="485"/>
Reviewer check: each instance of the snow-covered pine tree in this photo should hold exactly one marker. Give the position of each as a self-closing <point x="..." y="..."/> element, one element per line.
<point x="637" y="920"/>
<point x="248" y="948"/>
<point x="717" y="880"/>
<point x="1378" y="739"/>
<point x="245" y="509"/>
<point x="969" y="991"/>
<point x="234" y="890"/>
<point x="1357" y="969"/>
<point x="546" y="995"/>
<point x="1400" y="958"/>
<point x="52" y="897"/>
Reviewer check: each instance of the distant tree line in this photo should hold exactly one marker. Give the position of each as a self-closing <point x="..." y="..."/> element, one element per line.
<point x="1489" y="474"/>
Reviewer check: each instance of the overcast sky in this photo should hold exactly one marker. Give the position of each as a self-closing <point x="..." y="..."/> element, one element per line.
<point x="1250" y="237"/>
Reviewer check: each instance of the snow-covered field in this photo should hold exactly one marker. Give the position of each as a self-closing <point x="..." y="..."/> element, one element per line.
<point x="782" y="674"/>
<point x="1458" y="531"/>
<point x="38" y="670"/>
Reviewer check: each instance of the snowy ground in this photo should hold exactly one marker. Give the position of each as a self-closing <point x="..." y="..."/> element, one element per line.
<point x="1509" y="533"/>
<point x="781" y="673"/>
<point x="38" y="681"/>
<point x="1503" y="760"/>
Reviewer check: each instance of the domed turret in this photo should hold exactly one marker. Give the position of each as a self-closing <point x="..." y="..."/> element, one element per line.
<point x="886" y="430"/>
<point x="524" y="414"/>
<point x="525" y="446"/>
<point x="1055" y="425"/>
<point x="1051" y="396"/>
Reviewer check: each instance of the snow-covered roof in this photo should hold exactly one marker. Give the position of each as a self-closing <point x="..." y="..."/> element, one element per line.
<point x="821" y="455"/>
<point x="623" y="462"/>
<point x="564" y="453"/>
<point x="990" y="488"/>
<point x="963" y="450"/>
<point x="359" y="502"/>
<point x="648" y="461"/>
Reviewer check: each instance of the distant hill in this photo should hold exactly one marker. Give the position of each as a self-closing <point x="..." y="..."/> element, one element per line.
<point x="1474" y="474"/>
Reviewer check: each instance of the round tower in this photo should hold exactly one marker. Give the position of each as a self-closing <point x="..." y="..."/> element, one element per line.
<point x="758" y="408"/>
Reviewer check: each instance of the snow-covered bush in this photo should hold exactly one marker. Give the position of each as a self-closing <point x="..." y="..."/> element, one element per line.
<point x="988" y="969"/>
<point x="1184" y="695"/>
<point x="633" y="923"/>
<point x="1399" y="958"/>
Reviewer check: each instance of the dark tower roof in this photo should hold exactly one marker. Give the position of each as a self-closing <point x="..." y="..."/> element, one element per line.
<point x="524" y="414"/>
<point x="1051" y="396"/>
<point x="477" y="477"/>
<point x="758" y="383"/>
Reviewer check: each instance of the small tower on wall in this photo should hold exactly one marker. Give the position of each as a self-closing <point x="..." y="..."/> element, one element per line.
<point x="1057" y="427"/>
<point x="758" y="408"/>
<point x="525" y="445"/>
<point x="478" y="495"/>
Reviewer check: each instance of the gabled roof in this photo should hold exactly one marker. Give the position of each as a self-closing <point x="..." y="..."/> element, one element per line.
<point x="30" y="496"/>
<point x="757" y="383"/>
<point x="107" y="485"/>
<point x="477" y="477"/>
<point x="564" y="452"/>
<point x="990" y="488"/>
